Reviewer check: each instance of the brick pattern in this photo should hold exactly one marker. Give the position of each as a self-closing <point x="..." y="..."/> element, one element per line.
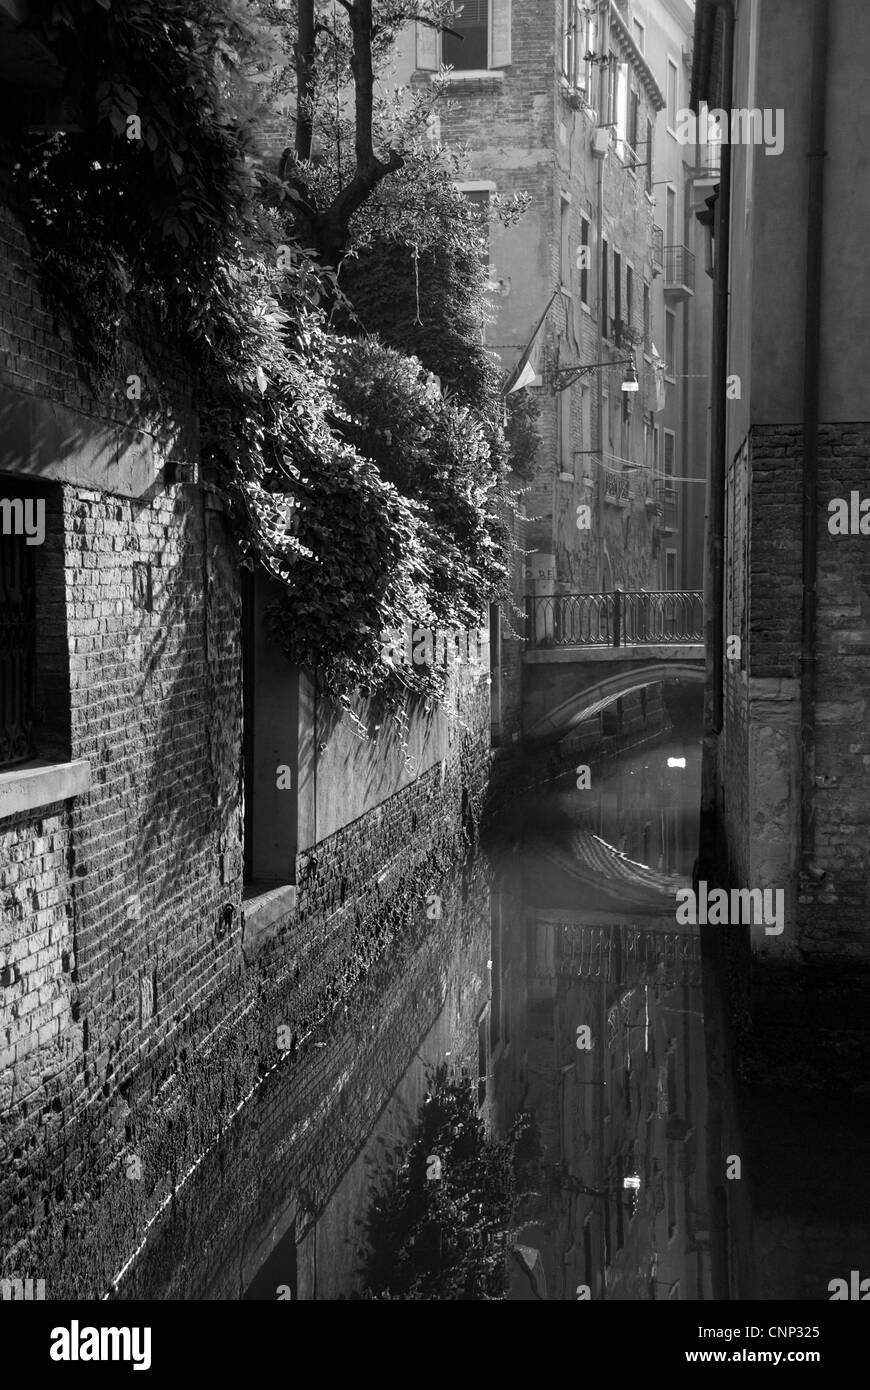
<point x="831" y="920"/>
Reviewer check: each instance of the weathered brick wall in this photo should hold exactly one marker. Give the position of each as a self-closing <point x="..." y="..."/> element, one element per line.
<point x="760" y="750"/>
<point x="836" y="918"/>
<point x="128" y="1016"/>
<point x="314" y="1112"/>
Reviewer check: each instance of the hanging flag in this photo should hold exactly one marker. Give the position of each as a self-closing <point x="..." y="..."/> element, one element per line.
<point x="525" y="373"/>
<point x="658" y="367"/>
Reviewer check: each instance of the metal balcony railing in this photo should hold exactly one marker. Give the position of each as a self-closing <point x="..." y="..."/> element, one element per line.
<point x="679" y="269"/>
<point x="614" y="620"/>
<point x="616" y="486"/>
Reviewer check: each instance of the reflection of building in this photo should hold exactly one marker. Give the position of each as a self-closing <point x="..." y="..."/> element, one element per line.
<point x="620" y="1121"/>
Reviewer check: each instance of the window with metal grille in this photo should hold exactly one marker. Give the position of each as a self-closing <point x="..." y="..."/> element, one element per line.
<point x="471" y="51"/>
<point x="17" y="644"/>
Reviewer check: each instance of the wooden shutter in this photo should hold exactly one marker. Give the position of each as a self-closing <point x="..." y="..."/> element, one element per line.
<point x="428" y="48"/>
<point x="499" y="33"/>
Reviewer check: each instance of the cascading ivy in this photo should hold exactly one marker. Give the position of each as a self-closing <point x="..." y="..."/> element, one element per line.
<point x="369" y="497"/>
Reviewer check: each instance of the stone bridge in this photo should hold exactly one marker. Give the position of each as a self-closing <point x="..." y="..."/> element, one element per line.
<point x="586" y="650"/>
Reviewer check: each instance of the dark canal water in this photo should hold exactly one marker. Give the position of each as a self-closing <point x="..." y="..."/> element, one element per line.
<point x="555" y="978"/>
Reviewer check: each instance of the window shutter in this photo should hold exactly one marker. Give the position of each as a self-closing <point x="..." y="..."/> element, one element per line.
<point x="428" y="43"/>
<point x="499" y="33"/>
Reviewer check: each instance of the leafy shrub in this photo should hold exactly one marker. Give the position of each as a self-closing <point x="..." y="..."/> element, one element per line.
<point x="445" y="1237"/>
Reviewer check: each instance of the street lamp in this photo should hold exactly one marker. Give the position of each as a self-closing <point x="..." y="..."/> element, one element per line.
<point x="630" y="381"/>
<point x="563" y="377"/>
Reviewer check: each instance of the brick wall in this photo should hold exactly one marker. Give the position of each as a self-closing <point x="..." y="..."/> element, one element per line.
<point x="760" y="746"/>
<point x="130" y="1023"/>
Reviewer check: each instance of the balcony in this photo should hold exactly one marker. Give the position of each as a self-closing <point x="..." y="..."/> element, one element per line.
<point x="664" y="503"/>
<point x="679" y="272"/>
<point x="656" y="256"/>
<point x="616" y="489"/>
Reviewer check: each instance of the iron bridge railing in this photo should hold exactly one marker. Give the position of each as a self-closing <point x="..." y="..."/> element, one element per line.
<point x="666" y="616"/>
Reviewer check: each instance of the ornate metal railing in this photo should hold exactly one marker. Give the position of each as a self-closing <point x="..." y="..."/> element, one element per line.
<point x="616" y="488"/>
<point x="663" y="615"/>
<point x="679" y="268"/>
<point x="615" y="620"/>
<point x="17" y="633"/>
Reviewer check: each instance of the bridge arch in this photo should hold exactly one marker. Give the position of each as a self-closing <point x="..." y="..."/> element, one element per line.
<point x="590" y="700"/>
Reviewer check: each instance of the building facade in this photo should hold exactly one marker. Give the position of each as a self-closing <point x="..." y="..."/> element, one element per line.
<point x="789" y="447"/>
<point x="567" y="104"/>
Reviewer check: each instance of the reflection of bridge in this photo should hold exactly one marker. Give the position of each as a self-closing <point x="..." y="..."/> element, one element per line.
<point x="609" y="880"/>
<point x="586" y="650"/>
<point x="623" y="954"/>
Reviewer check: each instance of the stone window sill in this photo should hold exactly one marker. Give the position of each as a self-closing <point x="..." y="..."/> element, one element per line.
<point x="30" y="785"/>
<point x="265" y="906"/>
<point x="483" y="76"/>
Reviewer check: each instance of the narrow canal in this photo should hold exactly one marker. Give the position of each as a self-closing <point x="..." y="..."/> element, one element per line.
<point x="548" y="972"/>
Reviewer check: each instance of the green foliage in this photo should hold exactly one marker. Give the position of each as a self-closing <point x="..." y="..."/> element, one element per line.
<point x="445" y="1238"/>
<point x="522" y="410"/>
<point x="167" y="246"/>
<point x="438" y="453"/>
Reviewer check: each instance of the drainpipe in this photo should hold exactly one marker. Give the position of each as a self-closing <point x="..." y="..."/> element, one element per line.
<point x="714" y="569"/>
<point x="812" y="348"/>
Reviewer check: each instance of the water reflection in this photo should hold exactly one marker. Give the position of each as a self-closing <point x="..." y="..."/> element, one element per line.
<point x="597" y="1027"/>
<point x="557" y="980"/>
<point x="592" y="1022"/>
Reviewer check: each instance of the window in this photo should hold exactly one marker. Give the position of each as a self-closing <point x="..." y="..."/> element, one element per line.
<point x="472" y="49"/>
<point x="646" y="319"/>
<point x="670" y="455"/>
<point x="584" y="270"/>
<point x="565" y="451"/>
<point x="579" y="38"/>
<point x="570" y="45"/>
<point x="671" y="218"/>
<point x="564" y="240"/>
<point x="633" y="122"/>
<point x="482" y="39"/>
<point x="617" y="294"/>
<point x="670" y="343"/>
<point x="639" y="33"/>
<point x="672" y="95"/>
<point x="479" y="197"/>
<point x="619" y="111"/>
<point x="34" y="645"/>
<point x="670" y="570"/>
<point x="629" y="295"/>
<point x="605" y="290"/>
<point x="270" y="739"/>
<point x="649" y="156"/>
<point x="17" y="636"/>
